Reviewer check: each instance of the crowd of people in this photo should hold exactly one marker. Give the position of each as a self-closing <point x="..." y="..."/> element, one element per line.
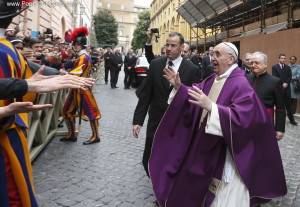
<point x="49" y="50"/>
<point x="22" y="79"/>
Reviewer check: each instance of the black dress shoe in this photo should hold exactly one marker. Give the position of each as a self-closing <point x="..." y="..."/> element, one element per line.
<point x="105" y="82"/>
<point x="113" y="87"/>
<point x="294" y="123"/>
<point x="91" y="142"/>
<point x="68" y="139"/>
<point x="116" y="87"/>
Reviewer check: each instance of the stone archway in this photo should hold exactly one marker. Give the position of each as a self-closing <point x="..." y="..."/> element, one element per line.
<point x="172" y="28"/>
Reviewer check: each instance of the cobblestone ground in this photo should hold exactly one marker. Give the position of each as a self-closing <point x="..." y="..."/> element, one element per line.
<point x="110" y="173"/>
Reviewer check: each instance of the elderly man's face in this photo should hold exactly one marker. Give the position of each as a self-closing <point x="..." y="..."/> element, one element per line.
<point x="258" y="65"/>
<point x="221" y="60"/>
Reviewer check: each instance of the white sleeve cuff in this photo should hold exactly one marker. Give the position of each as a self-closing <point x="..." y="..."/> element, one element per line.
<point x="149" y="44"/>
<point x="213" y="125"/>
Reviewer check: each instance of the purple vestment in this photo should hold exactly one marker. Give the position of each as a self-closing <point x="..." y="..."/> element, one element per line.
<point x="184" y="158"/>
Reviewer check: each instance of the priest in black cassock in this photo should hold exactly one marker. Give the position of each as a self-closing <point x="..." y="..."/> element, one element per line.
<point x="269" y="89"/>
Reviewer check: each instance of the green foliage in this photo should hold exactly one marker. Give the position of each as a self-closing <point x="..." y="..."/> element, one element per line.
<point x="139" y="34"/>
<point x="106" y="28"/>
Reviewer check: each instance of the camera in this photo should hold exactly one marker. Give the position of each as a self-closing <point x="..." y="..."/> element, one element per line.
<point x="154" y="30"/>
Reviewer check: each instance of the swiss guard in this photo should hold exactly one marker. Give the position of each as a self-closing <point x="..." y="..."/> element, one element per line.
<point x="16" y="187"/>
<point x="81" y="103"/>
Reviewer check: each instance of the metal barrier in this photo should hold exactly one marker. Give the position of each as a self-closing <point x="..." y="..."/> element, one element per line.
<point x="43" y="124"/>
<point x="97" y="75"/>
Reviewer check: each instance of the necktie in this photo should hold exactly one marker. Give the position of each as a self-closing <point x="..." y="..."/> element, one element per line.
<point x="281" y="66"/>
<point x="170" y="64"/>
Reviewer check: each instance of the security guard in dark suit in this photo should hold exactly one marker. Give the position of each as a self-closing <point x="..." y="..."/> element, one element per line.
<point x="129" y="64"/>
<point x="156" y="90"/>
<point x="284" y="72"/>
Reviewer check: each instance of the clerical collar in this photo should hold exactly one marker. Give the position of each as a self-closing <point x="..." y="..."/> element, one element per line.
<point x="2" y="32"/>
<point x="228" y="72"/>
<point x="176" y="63"/>
<point x="81" y="52"/>
<point x="260" y="75"/>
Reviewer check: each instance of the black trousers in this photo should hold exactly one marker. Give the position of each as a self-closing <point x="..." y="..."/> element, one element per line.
<point x="287" y="98"/>
<point x="128" y="78"/>
<point x="293" y="105"/>
<point x="147" y="153"/>
<point x="114" y="75"/>
<point x="106" y="74"/>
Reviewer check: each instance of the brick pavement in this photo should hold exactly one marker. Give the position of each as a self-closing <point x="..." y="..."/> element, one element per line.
<point x="110" y="173"/>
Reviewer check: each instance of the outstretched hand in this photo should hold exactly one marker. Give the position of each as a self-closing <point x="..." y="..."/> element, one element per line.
<point x="21" y="107"/>
<point x="173" y="77"/>
<point x="200" y="99"/>
<point x="39" y="83"/>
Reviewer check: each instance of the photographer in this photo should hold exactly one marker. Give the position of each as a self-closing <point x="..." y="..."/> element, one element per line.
<point x="148" y="46"/>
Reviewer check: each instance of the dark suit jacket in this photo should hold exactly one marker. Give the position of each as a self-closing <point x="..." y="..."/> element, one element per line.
<point x="116" y="59"/>
<point x="156" y="90"/>
<point x="12" y="88"/>
<point x="149" y="53"/>
<point x="205" y="62"/>
<point x="129" y="62"/>
<point x="108" y="59"/>
<point x="247" y="70"/>
<point x="284" y="74"/>
<point x="269" y="90"/>
<point x="196" y="60"/>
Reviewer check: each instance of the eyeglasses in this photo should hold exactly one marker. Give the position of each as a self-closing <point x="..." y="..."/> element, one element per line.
<point x="19" y="48"/>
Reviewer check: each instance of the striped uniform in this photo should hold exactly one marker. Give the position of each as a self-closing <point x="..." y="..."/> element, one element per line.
<point x="15" y="166"/>
<point x="77" y="97"/>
